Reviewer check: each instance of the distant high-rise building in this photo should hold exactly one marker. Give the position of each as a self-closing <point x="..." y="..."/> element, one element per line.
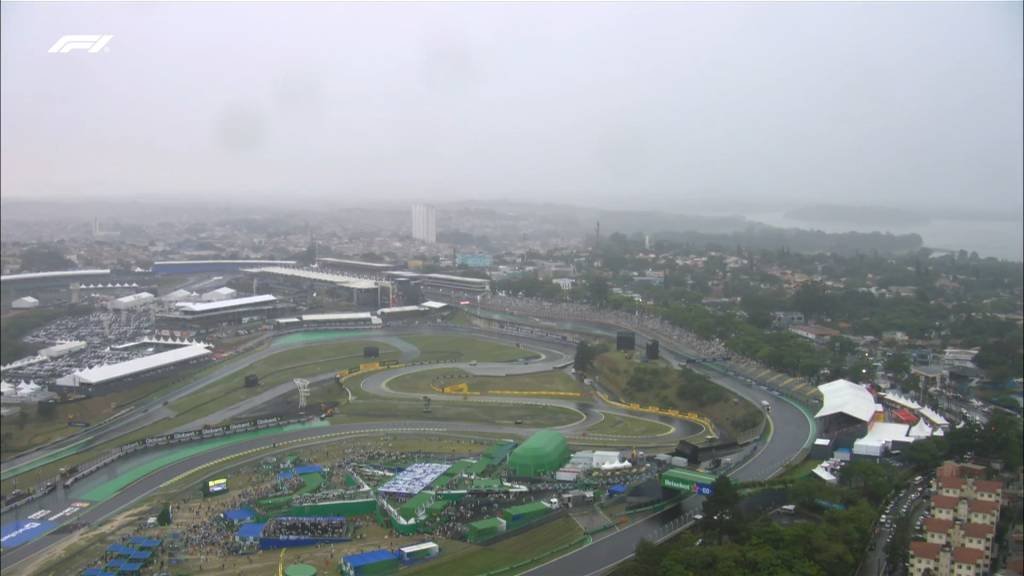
<point x="424" y="223"/>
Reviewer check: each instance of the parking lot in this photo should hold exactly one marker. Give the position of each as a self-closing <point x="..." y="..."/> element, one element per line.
<point x="911" y="501"/>
<point x="100" y="331"/>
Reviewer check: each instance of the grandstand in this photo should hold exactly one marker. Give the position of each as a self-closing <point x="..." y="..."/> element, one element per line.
<point x="443" y="283"/>
<point x="330" y="320"/>
<point x="133" y="368"/>
<point x="57" y="277"/>
<point x="211" y="266"/>
<point x="46" y="286"/>
<point x="358" y="291"/>
<point x="199" y="315"/>
<point x="355" y="266"/>
<point x="413" y="311"/>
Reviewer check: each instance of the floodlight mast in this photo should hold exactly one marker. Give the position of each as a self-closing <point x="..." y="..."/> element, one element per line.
<point x="303" y="385"/>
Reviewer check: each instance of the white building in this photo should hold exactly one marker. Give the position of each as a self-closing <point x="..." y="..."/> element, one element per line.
<point x="132" y="301"/>
<point x="25" y="302"/>
<point x="223" y="293"/>
<point x="424" y="223"/>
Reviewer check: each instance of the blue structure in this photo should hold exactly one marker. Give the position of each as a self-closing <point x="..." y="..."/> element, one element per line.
<point x="250" y="531"/>
<point x="356" y="564"/>
<point x="22" y="531"/>
<point x="120" y="550"/>
<point x="142" y="542"/>
<point x="96" y="572"/>
<point x="239" y="515"/>
<point x="616" y="489"/>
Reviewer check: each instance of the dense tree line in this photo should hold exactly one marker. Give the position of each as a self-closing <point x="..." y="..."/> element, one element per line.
<point x="728" y="544"/>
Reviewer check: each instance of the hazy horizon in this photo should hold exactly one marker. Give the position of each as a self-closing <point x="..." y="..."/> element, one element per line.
<point x="734" y="108"/>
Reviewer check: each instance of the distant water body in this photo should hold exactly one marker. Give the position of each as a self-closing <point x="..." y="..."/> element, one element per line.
<point x="1002" y="239"/>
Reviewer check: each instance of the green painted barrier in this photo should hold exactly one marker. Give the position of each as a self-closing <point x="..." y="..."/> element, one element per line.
<point x="108" y="489"/>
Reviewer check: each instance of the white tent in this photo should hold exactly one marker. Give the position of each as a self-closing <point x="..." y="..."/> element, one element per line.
<point x="845" y="397"/>
<point x="25" y="302"/>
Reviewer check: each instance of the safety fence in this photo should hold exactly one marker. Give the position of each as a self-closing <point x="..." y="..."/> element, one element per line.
<point x="657" y="410"/>
<point x="114" y="454"/>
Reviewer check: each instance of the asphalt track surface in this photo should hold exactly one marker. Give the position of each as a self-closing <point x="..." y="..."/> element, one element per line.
<point x="790" y="431"/>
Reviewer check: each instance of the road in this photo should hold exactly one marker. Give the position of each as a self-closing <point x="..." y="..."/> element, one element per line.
<point x="103" y="510"/>
<point x="790" y="432"/>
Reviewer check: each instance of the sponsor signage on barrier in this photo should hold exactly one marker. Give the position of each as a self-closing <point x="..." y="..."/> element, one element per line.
<point x="78" y="424"/>
<point x="22" y="531"/>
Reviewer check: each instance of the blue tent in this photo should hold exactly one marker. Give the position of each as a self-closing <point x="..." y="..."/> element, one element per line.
<point x="285" y="475"/>
<point x="120" y="550"/>
<point x="96" y="572"/>
<point x="140" y="555"/>
<point x="239" y="515"/>
<point x="359" y="560"/>
<point x="250" y="531"/>
<point x="115" y="565"/>
<point x="130" y="567"/>
<point x="141" y="542"/>
<point x="308" y="469"/>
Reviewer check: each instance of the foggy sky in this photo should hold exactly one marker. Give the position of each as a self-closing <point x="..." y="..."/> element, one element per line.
<point x="908" y="105"/>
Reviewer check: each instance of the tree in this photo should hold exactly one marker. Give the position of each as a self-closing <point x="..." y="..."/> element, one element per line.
<point x="721" y="514"/>
<point x="898" y="365"/>
<point x="585" y="354"/>
<point x="164" y="517"/>
<point x="896" y="551"/>
<point x="46" y="410"/>
<point x="598" y="290"/>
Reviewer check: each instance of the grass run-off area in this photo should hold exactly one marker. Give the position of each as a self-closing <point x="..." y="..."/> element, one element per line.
<point x="227" y="391"/>
<point x="461" y="348"/>
<point x="331" y="355"/>
<point x="429" y="381"/>
<point x="800" y="469"/>
<point x="475" y="560"/>
<point x="619" y="425"/>
<point x="530" y="415"/>
<point x="659" y="384"/>
<point x="30" y="428"/>
<point x="108" y="489"/>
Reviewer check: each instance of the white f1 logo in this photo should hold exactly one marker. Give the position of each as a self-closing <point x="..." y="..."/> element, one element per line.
<point x="92" y="43"/>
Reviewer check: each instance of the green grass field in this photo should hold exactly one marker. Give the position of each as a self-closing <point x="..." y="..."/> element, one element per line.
<point x="464" y="348"/>
<point x="730" y="413"/>
<point x="618" y="425"/>
<point x="29" y="429"/>
<point x="273" y="370"/>
<point x="422" y="382"/>
<point x="799" y="470"/>
<point x="474" y="560"/>
<point x="276" y="369"/>
<point x="332" y="355"/>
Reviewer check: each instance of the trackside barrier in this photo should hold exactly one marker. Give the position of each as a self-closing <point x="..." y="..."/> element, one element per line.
<point x="585" y="540"/>
<point x="463" y="388"/>
<point x="690" y="416"/>
<point x="177" y="438"/>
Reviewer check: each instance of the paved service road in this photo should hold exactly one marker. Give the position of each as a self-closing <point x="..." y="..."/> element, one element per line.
<point x="790" y="433"/>
<point x="791" y="430"/>
<point x="288" y="440"/>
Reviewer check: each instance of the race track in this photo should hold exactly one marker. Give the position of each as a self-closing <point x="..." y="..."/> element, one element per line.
<point x="791" y="430"/>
